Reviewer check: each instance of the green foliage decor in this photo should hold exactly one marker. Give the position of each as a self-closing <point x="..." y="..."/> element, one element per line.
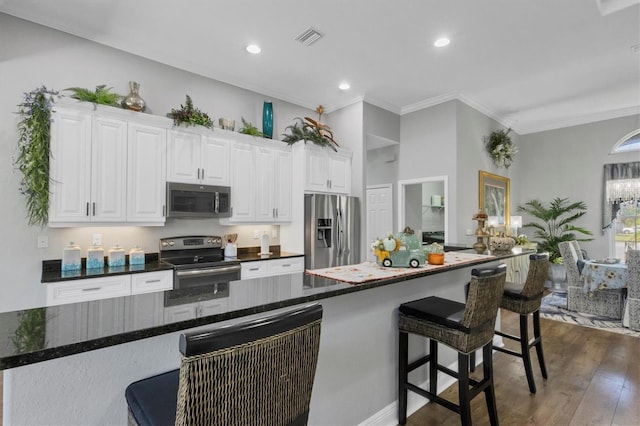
<point x="250" y="129"/>
<point x="30" y="333"/>
<point x="310" y="131"/>
<point x="34" y="136"/>
<point x="556" y="226"/>
<point x="500" y="147"/>
<point x="189" y="115"/>
<point x="101" y="95"/>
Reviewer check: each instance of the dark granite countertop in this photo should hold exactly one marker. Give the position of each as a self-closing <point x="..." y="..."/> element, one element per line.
<point x="51" y="269"/>
<point x="41" y="334"/>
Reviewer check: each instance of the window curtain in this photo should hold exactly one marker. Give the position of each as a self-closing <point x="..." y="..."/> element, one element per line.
<point x="611" y="202"/>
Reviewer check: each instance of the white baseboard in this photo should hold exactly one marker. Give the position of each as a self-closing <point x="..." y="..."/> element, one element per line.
<point x="388" y="416"/>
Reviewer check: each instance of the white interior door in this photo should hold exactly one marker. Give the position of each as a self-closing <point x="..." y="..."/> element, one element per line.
<point x="379" y="213"/>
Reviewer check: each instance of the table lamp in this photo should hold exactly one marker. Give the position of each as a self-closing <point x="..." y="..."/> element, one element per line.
<point x="516" y="222"/>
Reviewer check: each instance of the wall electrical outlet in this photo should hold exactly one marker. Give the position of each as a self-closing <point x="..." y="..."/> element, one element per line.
<point x="97" y="239"/>
<point x="256" y="234"/>
<point x="43" y="241"/>
<point x="274" y="233"/>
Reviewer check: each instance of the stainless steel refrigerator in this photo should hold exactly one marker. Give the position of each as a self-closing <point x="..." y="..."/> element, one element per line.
<point x="332" y="230"/>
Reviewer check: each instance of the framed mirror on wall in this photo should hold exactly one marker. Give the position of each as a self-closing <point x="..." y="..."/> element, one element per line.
<point x="422" y="207"/>
<point x="494" y="198"/>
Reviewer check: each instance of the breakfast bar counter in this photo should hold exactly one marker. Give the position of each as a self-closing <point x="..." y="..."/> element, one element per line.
<point x="88" y="352"/>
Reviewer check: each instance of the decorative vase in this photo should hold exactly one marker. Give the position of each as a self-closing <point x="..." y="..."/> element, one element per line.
<point x="267" y="120"/>
<point x="557" y="278"/>
<point x="133" y="101"/>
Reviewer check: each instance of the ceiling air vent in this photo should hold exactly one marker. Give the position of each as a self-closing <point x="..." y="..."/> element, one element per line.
<point x="308" y="37"/>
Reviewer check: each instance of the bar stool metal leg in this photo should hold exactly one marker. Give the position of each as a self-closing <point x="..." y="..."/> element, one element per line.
<point x="538" y="343"/>
<point x="489" y="393"/>
<point x="433" y="366"/>
<point x="403" y="376"/>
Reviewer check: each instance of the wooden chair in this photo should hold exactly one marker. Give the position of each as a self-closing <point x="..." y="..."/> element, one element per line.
<point x="464" y="327"/>
<point x="608" y="303"/>
<point x="255" y="372"/>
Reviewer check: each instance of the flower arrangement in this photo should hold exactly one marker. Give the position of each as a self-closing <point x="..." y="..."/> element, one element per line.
<point x="433" y="248"/>
<point x="250" y="129"/>
<point x="311" y="130"/>
<point x="382" y="246"/>
<point x="500" y="147"/>
<point x="189" y="115"/>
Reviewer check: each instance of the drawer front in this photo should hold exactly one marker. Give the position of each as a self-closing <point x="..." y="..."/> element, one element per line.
<point x="285" y="266"/>
<point x="253" y="269"/>
<point x="89" y="289"/>
<point x="149" y="282"/>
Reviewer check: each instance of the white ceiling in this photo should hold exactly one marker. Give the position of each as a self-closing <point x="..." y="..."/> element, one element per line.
<point x="532" y="65"/>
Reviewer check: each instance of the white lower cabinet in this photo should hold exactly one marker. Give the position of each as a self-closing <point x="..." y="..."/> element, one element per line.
<point x="268" y="268"/>
<point x="149" y="282"/>
<point x="88" y="289"/>
<point x="195" y="310"/>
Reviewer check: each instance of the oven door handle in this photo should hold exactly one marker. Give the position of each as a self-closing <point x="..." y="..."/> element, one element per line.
<point x="208" y="271"/>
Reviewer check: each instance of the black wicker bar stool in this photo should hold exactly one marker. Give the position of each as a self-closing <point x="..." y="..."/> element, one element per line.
<point x="256" y="372"/>
<point x="524" y="299"/>
<point x="464" y="327"/>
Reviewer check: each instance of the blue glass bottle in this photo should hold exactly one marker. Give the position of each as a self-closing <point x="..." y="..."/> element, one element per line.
<point x="267" y="120"/>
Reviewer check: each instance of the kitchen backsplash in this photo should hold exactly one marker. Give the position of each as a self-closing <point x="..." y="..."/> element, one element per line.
<point x="147" y="238"/>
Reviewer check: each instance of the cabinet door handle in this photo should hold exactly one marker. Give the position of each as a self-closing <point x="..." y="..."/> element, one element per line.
<point x="202" y="174"/>
<point x="327" y="183"/>
<point x="87" y="208"/>
<point x="91" y="289"/>
<point x="330" y="183"/>
<point x="164" y="210"/>
<point x="151" y="281"/>
<point x="94" y="209"/>
<point x="277" y="213"/>
<point x="288" y="265"/>
<point x="254" y="269"/>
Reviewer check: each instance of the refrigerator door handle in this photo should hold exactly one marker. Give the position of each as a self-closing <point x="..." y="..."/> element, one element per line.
<point x="340" y="229"/>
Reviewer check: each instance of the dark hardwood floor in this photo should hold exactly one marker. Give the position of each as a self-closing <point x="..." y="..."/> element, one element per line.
<point x="594" y="379"/>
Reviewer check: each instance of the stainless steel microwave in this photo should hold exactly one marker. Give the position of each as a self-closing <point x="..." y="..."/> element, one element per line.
<point x="194" y="201"/>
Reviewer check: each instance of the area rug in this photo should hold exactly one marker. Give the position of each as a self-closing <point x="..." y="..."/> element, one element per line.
<point x="554" y="308"/>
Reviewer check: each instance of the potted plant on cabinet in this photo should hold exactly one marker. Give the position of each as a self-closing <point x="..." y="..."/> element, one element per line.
<point x="312" y="131"/>
<point x="556" y="225"/>
<point x="189" y="115"/>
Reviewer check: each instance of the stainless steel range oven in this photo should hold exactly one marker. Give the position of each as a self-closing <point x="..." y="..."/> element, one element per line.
<point x="200" y="269"/>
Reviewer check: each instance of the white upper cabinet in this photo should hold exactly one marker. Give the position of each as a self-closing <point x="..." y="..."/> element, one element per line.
<point x="260" y="183"/>
<point x="327" y="171"/>
<point x="147" y="165"/>
<point x="198" y="158"/>
<point x="88" y="168"/>
<point x="70" y="167"/>
<point x="106" y="167"/>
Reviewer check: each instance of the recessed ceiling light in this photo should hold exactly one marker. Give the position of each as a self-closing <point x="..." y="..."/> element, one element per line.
<point x="253" y="48"/>
<point x="344" y="86"/>
<point x="442" y="42"/>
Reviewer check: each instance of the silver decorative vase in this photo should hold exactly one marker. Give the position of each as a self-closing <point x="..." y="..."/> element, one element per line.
<point x="133" y="101"/>
<point x="557" y="278"/>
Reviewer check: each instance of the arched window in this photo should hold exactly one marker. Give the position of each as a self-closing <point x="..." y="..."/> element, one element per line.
<point x="630" y="142"/>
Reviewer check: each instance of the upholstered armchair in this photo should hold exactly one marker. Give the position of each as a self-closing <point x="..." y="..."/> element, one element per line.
<point x="633" y="289"/>
<point x="608" y="303"/>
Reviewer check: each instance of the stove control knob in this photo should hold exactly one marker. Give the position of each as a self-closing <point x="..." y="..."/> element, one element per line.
<point x="209" y="241"/>
<point x="171" y="243"/>
<point x="164" y="244"/>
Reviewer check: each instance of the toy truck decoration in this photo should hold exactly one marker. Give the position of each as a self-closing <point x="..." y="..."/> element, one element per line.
<point x="401" y="250"/>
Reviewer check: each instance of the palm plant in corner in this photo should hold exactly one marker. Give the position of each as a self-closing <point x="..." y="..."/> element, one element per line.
<point x="557" y="224"/>
<point x="311" y="130"/>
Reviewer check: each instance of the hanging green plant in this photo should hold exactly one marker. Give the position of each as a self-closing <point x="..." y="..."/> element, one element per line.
<point x="189" y="115"/>
<point x="34" y="135"/>
<point x="311" y="130"/>
<point x="500" y="147"/>
<point x="250" y="129"/>
<point x="101" y="95"/>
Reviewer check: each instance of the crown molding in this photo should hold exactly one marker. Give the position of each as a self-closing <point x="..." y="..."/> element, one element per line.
<point x="427" y="103"/>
